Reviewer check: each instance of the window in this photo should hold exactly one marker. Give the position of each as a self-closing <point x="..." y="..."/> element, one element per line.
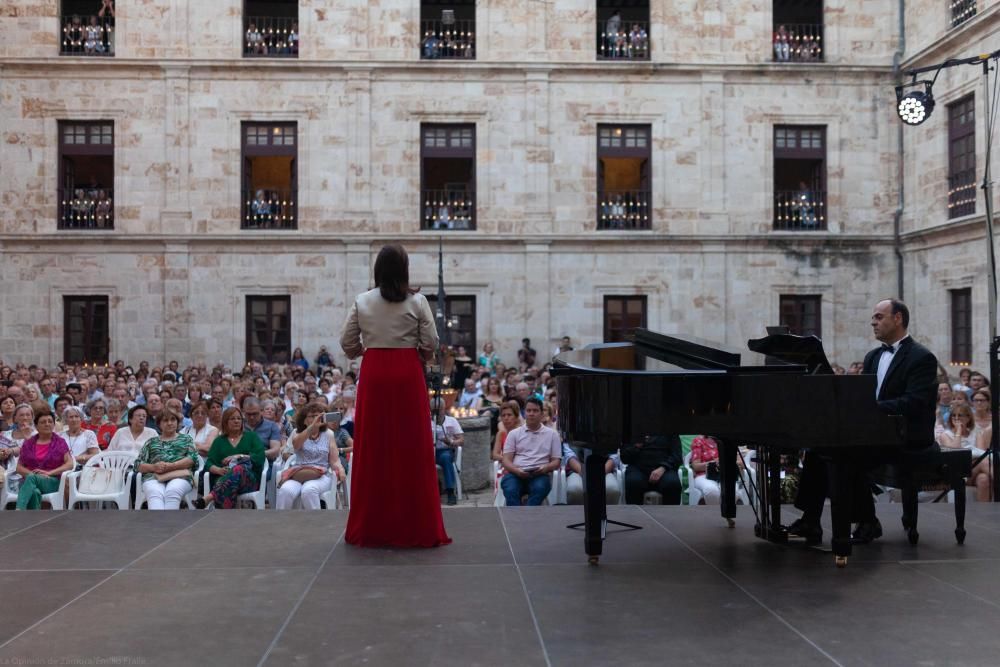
<point x="269" y="329"/>
<point x="961" y="325"/>
<point x="85" y="329"/>
<point x="962" y="157"/>
<point x="447" y="176"/>
<point x="270" y="179"/>
<point x="799" y="177"/>
<point x="801" y="314"/>
<point x="271" y="28"/>
<point x="623" y="177"/>
<point x="86" y="175"/>
<point x="797" y="31"/>
<point x="623" y="30"/>
<point x="87" y="28"/>
<point x="622" y="315"/>
<point x="460" y="321"/>
<point x="961" y="11"/>
<point x="448" y="29"/>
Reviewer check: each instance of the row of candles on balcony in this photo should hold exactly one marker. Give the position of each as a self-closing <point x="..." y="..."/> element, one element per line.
<point x="962" y="10"/>
<point x="962" y="196"/>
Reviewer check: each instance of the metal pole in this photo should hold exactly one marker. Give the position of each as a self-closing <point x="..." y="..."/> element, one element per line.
<point x="991" y="276"/>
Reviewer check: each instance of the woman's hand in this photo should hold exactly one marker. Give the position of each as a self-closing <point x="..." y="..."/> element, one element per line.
<point x="226" y="460"/>
<point x="340" y="473"/>
<point x="160" y="467"/>
<point x="315" y="425"/>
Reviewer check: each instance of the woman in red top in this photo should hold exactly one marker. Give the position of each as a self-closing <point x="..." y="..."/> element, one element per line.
<point x="97" y="423"/>
<point x="705" y="455"/>
<point x="394" y="492"/>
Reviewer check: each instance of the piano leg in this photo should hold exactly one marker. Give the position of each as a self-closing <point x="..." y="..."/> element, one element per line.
<point x="840" y="508"/>
<point x="595" y="509"/>
<point x="729" y="473"/>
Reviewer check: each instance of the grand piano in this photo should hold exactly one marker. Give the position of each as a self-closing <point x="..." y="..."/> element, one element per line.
<point x="777" y="397"/>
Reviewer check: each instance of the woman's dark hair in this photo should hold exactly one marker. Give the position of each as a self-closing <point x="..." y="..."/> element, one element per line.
<point x="40" y="415"/>
<point x="303" y="413"/>
<point x="392" y="273"/>
<point x="227" y="415"/>
<point x="136" y="408"/>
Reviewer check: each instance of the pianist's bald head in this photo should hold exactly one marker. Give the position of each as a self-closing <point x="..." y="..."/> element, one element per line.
<point x="890" y="320"/>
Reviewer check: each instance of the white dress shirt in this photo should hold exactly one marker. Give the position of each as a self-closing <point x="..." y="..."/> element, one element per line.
<point x="883" y="364"/>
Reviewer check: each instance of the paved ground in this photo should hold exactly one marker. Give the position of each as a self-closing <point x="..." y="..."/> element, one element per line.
<point x="249" y="587"/>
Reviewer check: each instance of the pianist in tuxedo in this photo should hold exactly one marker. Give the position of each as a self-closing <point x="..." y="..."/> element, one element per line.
<point x="652" y="466"/>
<point x="906" y="384"/>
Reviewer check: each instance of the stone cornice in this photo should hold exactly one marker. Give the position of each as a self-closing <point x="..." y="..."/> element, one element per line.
<point x="950" y="44"/>
<point x="954" y="231"/>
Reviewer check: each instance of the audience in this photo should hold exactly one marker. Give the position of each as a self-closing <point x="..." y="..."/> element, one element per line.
<point x="201" y="432"/>
<point x="167" y="463"/>
<point x="652" y="466"/>
<point x="135" y="435"/>
<point x="82" y="442"/>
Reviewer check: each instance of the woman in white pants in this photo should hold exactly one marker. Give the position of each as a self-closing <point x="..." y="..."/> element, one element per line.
<point x="705" y="454"/>
<point x="315" y="455"/>
<point x="166" y="463"/>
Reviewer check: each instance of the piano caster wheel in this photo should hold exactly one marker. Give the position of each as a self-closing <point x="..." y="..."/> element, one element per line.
<point x="592" y="560"/>
<point x="841" y="561"/>
<point x="731" y="523"/>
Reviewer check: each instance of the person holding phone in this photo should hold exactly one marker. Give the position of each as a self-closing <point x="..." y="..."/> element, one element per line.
<point x="394" y="492"/>
<point x="316" y="456"/>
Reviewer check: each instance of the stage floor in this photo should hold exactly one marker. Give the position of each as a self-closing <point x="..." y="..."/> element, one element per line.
<point x="247" y="587"/>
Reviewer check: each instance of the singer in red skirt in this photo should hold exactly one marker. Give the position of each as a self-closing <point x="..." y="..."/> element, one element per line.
<point x="394" y="492"/>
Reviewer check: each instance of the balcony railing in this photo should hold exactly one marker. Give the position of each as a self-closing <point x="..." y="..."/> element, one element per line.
<point x="87" y="36"/>
<point x="270" y="36"/>
<point x="798" y="42"/>
<point x="86" y="208"/>
<point x="962" y="11"/>
<point x="624" y="40"/>
<point x="269" y="209"/>
<point x="961" y="194"/>
<point x="624" y="209"/>
<point x="447" y="209"/>
<point x="803" y="210"/>
<point x="455" y="40"/>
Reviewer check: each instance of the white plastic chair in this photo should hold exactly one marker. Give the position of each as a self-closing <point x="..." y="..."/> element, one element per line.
<point x="551" y="499"/>
<point x="54" y="499"/>
<point x="335" y="498"/>
<point x="257" y="497"/>
<point x="9" y="495"/>
<point x="457" y="467"/>
<point x="694" y="494"/>
<point x="122" y="463"/>
<point x="189" y="497"/>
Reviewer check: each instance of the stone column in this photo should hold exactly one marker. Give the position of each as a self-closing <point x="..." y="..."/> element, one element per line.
<point x="477" y="468"/>
<point x="359" y="133"/>
<point x="175" y="216"/>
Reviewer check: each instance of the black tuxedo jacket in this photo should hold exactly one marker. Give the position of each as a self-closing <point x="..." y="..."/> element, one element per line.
<point x="909" y="389"/>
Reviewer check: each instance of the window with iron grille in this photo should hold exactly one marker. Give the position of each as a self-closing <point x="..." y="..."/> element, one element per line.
<point x="86" y="175"/>
<point x="270" y="176"/>
<point x="961" y="325"/>
<point x="271" y="29"/>
<point x="623" y="30"/>
<point x="86" y="329"/>
<point x="459" y="321"/>
<point x="448" y="29"/>
<point x="87" y="28"/>
<point x="624" y="194"/>
<point x="797" y="31"/>
<point x="800" y="177"/>
<point x="961" y="11"/>
<point x="622" y="315"/>
<point x="801" y="314"/>
<point x="448" y="176"/>
<point x="962" y="157"/>
<point x="269" y="328"/>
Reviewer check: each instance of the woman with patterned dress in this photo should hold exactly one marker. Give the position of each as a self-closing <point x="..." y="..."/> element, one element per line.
<point x="235" y="463"/>
<point x="166" y="463"/>
<point x="394" y="492"/>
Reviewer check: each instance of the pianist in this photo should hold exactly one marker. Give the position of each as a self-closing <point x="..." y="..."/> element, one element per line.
<point x="906" y="384"/>
<point x="652" y="466"/>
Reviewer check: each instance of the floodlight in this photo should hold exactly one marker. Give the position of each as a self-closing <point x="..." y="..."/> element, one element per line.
<point x="915" y="106"/>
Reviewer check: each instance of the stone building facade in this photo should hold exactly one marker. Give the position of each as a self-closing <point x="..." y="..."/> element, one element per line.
<point x="712" y="256"/>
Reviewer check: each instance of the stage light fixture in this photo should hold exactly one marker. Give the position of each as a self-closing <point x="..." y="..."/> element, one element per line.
<point x="915" y="106"/>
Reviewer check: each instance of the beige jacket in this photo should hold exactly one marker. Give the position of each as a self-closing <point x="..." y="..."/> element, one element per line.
<point x="375" y="322"/>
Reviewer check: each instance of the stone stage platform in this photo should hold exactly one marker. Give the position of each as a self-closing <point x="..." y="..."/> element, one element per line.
<point x="246" y="588"/>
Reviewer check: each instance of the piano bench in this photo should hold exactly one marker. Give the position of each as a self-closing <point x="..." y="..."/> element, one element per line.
<point x="946" y="469"/>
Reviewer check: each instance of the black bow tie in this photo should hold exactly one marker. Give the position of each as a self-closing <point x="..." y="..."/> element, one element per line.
<point x="888" y="348"/>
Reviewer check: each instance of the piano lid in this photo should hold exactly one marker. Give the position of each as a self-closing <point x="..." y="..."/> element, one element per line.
<point x="806" y="350"/>
<point x="661" y="354"/>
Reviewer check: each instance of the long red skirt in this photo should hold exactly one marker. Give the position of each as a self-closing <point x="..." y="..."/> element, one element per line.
<point x="394" y="488"/>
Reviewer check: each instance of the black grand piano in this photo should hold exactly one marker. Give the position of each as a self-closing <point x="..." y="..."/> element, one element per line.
<point x="778" y="396"/>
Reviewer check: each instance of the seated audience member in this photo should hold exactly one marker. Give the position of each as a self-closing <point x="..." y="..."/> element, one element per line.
<point x="215" y="411"/>
<point x="510" y="419"/>
<point x="471" y="396"/>
<point x="44" y="458"/>
<point x="176" y="406"/>
<point x="530" y="454"/>
<point x="81" y="442"/>
<point x="24" y="424"/>
<point x="117" y="417"/>
<point x="705" y="466"/>
<point x="7" y="406"/>
<point x="315" y="447"/>
<point x="344" y="442"/>
<point x="982" y="471"/>
<point x="167" y="463"/>
<point x="961" y="433"/>
<point x="154" y="406"/>
<point x="268" y="431"/>
<point x="447" y="435"/>
<point x="62" y="402"/>
<point x="96" y="422"/>
<point x="346" y="407"/>
<point x="8" y="450"/>
<point x="652" y="466"/>
<point x="131" y="438"/>
<point x="945" y="396"/>
<point x="574" y="478"/>
<point x="201" y="432"/>
<point x="962" y="385"/>
<point x="235" y="463"/>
